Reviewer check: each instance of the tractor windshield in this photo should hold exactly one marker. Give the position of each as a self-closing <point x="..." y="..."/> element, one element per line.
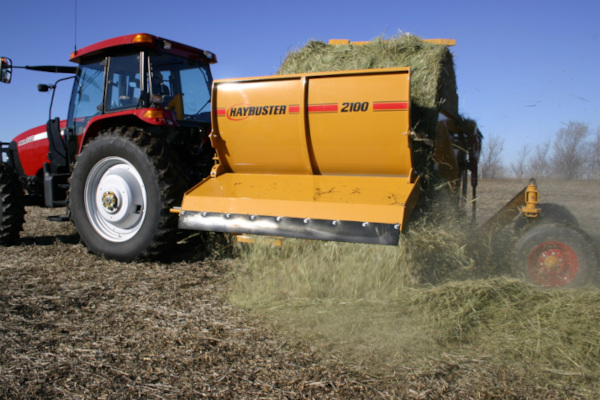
<point x="87" y="97"/>
<point x="181" y="85"/>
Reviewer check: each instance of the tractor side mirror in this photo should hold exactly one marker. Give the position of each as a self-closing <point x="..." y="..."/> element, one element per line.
<point x="5" y="70"/>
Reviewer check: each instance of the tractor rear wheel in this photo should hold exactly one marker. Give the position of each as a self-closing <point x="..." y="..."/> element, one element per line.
<point x="122" y="188"/>
<point x="558" y="213"/>
<point x="552" y="254"/>
<point x="12" y="205"/>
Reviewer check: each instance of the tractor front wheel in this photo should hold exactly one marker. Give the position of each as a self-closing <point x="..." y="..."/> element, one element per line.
<point x="12" y="208"/>
<point x="552" y="254"/>
<point x="122" y="188"/>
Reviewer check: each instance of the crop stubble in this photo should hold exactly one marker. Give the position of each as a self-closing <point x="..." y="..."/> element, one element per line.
<point x="73" y="325"/>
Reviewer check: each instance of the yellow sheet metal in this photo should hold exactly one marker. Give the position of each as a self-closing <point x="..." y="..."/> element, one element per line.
<point x="351" y="123"/>
<point x="332" y="146"/>
<point x="346" y="198"/>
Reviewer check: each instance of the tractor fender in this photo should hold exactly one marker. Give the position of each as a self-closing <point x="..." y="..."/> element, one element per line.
<point x="103" y="122"/>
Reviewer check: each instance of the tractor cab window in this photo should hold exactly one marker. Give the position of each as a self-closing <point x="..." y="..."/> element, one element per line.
<point x="123" y="83"/>
<point x="181" y="85"/>
<point x="87" y="98"/>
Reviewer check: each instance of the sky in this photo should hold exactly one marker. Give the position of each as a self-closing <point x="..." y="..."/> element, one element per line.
<point x="524" y="68"/>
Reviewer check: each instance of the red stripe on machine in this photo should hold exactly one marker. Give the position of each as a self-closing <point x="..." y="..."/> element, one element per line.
<point x="221" y="112"/>
<point x="294" y="109"/>
<point x="390" y="106"/>
<point x="322" y="108"/>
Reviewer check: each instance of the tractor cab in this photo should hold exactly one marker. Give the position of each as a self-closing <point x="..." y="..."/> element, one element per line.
<point x="120" y="77"/>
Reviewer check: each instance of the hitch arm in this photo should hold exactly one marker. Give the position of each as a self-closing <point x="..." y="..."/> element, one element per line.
<point x="525" y="202"/>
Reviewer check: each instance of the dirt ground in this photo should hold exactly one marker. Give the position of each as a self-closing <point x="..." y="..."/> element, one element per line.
<point x="73" y="325"/>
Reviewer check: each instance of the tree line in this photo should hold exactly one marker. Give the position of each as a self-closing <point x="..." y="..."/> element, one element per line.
<point x="573" y="153"/>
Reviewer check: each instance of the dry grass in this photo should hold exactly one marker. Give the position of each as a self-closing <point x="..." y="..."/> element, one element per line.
<point x="385" y="309"/>
<point x="349" y="271"/>
<point x="376" y="309"/>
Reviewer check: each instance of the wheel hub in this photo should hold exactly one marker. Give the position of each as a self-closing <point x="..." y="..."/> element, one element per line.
<point x="116" y="193"/>
<point x="550" y="262"/>
<point x="110" y="201"/>
<point x="553" y="264"/>
<point x="115" y="199"/>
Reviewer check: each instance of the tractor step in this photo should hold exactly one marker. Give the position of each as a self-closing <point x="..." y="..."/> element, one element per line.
<point x="60" y="218"/>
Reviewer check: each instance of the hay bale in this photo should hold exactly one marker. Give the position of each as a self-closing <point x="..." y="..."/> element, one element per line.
<point x="433" y="83"/>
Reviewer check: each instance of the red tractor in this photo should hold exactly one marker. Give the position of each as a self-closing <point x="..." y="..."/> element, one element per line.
<point x="139" y="110"/>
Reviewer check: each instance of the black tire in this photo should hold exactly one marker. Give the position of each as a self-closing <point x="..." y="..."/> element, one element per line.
<point x="550" y="212"/>
<point x="12" y="207"/>
<point x="123" y="185"/>
<point x="558" y="213"/>
<point x="552" y="254"/>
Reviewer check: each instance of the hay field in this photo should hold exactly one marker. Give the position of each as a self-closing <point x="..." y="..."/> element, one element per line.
<point x="342" y="326"/>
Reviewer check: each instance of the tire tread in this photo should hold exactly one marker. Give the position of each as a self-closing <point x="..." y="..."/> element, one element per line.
<point x="12" y="212"/>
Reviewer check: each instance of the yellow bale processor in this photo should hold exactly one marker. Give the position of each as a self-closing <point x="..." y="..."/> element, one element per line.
<point x="318" y="156"/>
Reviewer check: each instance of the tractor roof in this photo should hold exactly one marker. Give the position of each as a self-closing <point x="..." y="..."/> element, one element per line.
<point x="141" y="41"/>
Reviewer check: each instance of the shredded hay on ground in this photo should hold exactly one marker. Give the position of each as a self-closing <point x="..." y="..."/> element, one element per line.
<point x="433" y="82"/>
<point x="383" y="308"/>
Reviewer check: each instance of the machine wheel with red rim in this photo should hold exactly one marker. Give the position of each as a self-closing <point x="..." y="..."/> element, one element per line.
<point x="552" y="254"/>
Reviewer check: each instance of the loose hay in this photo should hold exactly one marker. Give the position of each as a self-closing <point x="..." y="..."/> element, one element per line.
<point x="384" y="309"/>
<point x="317" y="269"/>
<point x="433" y="82"/>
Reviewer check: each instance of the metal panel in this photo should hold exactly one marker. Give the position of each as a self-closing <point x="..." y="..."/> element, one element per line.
<point x="321" y="156"/>
<point x="349" y="198"/>
<point x="352" y="123"/>
<point x="341" y="231"/>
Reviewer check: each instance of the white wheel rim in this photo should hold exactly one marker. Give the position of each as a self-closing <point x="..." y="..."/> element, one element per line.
<point x="115" y="199"/>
